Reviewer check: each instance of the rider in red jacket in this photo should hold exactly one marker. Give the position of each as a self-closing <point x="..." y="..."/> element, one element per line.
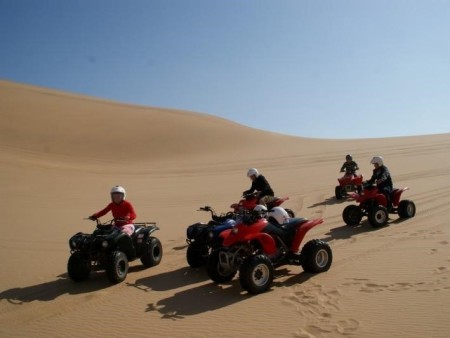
<point x="122" y="210"/>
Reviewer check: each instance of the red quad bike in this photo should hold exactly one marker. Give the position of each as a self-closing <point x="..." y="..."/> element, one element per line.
<point x="373" y="204"/>
<point x="348" y="183"/>
<point x="250" y="201"/>
<point x="255" y="247"/>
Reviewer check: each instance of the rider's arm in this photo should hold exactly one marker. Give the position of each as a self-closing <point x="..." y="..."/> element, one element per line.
<point x="373" y="178"/>
<point x="384" y="175"/>
<point x="355" y="166"/>
<point x="251" y="190"/>
<point x="131" y="212"/>
<point x="103" y="212"/>
<point x="266" y="189"/>
<point x="343" y="168"/>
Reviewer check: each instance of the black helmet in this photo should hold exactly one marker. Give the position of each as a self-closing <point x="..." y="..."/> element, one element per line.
<point x="349" y="157"/>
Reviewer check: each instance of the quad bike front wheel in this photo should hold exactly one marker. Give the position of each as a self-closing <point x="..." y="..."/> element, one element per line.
<point x="406" y="209"/>
<point x="256" y="274"/>
<point x="316" y="256"/>
<point x="78" y="267"/>
<point x="352" y="215"/>
<point x="378" y="216"/>
<point x="117" y="267"/>
<point x="338" y="192"/>
<point x="217" y="271"/>
<point x="153" y="255"/>
<point x="196" y="255"/>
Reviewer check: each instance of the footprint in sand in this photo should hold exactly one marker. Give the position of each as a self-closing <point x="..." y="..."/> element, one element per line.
<point x="443" y="242"/>
<point x="347" y="326"/>
<point x="441" y="269"/>
<point x="372" y="287"/>
<point x="303" y="334"/>
<point x="400" y="286"/>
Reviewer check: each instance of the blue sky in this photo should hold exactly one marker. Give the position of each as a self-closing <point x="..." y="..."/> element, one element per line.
<point x="328" y="69"/>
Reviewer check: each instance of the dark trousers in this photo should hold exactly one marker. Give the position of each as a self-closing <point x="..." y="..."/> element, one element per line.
<point x="387" y="192"/>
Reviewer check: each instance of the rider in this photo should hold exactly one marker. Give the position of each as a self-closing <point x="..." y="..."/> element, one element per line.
<point x="382" y="177"/>
<point x="121" y="209"/>
<point x="349" y="166"/>
<point x="260" y="185"/>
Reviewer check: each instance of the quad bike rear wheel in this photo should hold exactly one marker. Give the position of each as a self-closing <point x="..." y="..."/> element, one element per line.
<point x="338" y="192"/>
<point x="154" y="253"/>
<point x="78" y="267"/>
<point x="256" y="274"/>
<point x="352" y="215"/>
<point x="196" y="255"/>
<point x="378" y="216"/>
<point x="117" y="267"/>
<point x="217" y="271"/>
<point x="316" y="256"/>
<point x="406" y="209"/>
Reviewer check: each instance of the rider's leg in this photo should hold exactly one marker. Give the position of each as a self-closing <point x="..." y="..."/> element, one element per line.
<point x="127" y="229"/>
<point x="266" y="200"/>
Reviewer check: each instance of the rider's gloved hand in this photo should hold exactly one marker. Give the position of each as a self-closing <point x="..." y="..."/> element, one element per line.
<point x="92" y="218"/>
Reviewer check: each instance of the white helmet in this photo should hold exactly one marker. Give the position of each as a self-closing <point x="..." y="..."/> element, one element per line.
<point x="119" y="190"/>
<point x="260" y="208"/>
<point x="253" y="172"/>
<point x="377" y="160"/>
<point x="279" y="215"/>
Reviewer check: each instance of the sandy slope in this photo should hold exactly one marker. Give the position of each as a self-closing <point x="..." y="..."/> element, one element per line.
<point x="60" y="153"/>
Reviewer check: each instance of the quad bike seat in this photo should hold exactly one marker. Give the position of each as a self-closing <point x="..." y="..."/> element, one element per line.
<point x="292" y="224"/>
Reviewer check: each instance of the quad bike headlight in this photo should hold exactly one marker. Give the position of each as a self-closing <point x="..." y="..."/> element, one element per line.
<point x="105" y="244"/>
<point x="234" y="231"/>
<point x="73" y="244"/>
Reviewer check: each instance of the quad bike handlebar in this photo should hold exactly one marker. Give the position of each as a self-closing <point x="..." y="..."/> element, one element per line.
<point x="214" y="216"/>
<point x="250" y="195"/>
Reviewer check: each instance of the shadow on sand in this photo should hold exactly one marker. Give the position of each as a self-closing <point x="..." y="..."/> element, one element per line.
<point x="171" y="280"/>
<point x="49" y="291"/>
<point x="346" y="231"/>
<point x="329" y="201"/>
<point x="206" y="297"/>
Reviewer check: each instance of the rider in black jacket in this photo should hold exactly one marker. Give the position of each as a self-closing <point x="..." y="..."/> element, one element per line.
<point x="382" y="177"/>
<point x="349" y="166"/>
<point x="260" y="185"/>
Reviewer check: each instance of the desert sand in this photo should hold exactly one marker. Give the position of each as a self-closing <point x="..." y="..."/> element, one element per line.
<point x="60" y="154"/>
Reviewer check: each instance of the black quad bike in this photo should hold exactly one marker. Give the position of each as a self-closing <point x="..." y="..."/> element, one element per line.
<point x="109" y="249"/>
<point x="204" y="237"/>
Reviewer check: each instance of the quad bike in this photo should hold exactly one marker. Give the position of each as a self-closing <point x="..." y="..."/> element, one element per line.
<point x="204" y="237"/>
<point x="109" y="249"/>
<point x="254" y="247"/>
<point x="373" y="204"/>
<point x="348" y="183"/>
<point x="250" y="201"/>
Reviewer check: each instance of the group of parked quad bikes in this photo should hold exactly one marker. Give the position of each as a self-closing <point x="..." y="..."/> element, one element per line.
<point x="251" y="239"/>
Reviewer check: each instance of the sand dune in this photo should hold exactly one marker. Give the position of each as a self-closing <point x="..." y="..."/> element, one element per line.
<point x="60" y="153"/>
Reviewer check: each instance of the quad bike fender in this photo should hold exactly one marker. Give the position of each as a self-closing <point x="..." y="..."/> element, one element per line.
<point x="282" y="199"/>
<point x="150" y="229"/>
<point x="358" y="180"/>
<point x="397" y="194"/>
<point x="124" y="243"/>
<point x="301" y="232"/>
<point x="228" y="238"/>
<point x="265" y="240"/>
